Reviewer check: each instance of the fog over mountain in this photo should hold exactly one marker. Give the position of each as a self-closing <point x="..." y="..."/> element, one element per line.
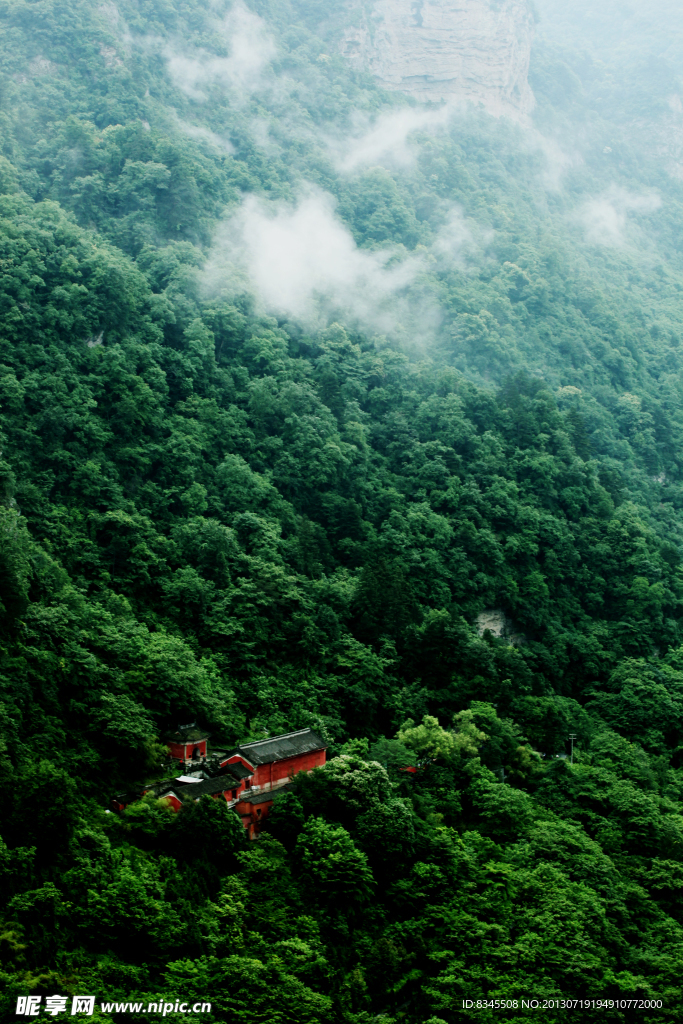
<point x="341" y="405"/>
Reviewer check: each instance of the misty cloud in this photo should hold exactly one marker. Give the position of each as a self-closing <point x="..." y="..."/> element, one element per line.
<point x="387" y="141"/>
<point x="202" y="134"/>
<point x="605" y="220"/>
<point x="460" y="240"/>
<point x="301" y="261"/>
<point x="259" y="129"/>
<point x="250" y="47"/>
<point x="557" y="161"/>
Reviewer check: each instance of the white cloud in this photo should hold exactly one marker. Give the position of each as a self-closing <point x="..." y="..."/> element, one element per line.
<point x="557" y="162"/>
<point x="459" y="238"/>
<point x="605" y="220"/>
<point x="259" y="129"/>
<point x="250" y="47"/>
<point x="202" y="134"/>
<point x="301" y="261"/>
<point x="387" y="141"/>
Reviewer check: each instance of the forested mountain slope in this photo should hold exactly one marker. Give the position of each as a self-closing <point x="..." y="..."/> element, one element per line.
<point x="297" y="379"/>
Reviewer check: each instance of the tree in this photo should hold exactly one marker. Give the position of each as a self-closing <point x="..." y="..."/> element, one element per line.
<point x="14" y="566"/>
<point x="207" y="829"/>
<point x="286" y="819"/>
<point x="46" y="807"/>
<point x="429" y="739"/>
<point x="338" y="879"/>
<point x="387" y="834"/>
<point x="343" y="788"/>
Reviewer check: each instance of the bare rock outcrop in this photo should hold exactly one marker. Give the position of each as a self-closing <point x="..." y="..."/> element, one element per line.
<point x="498" y="624"/>
<point x="475" y="50"/>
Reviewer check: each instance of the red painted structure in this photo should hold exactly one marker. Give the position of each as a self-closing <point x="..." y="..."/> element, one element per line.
<point x="274" y="774"/>
<point x="188" y="743"/>
<point x="274" y="762"/>
<point x="172" y="800"/>
<point x="252" y="774"/>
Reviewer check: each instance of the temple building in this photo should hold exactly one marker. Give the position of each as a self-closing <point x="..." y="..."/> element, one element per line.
<point x="188" y="742"/>
<point x="247" y="778"/>
<point x="274" y="762"/>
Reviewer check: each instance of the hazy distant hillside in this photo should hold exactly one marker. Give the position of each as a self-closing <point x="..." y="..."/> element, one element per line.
<point x="617" y="31"/>
<point x="620" y="62"/>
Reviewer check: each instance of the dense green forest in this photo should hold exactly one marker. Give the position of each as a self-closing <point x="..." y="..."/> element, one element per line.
<point x="297" y="381"/>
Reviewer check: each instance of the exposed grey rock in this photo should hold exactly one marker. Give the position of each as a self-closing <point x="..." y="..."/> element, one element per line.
<point x="499" y="625"/>
<point x="475" y="50"/>
<point x="492" y="619"/>
<point x="39" y="67"/>
<point x="110" y="57"/>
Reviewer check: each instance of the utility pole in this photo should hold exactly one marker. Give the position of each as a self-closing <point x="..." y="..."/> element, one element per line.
<point x="572" y="737"/>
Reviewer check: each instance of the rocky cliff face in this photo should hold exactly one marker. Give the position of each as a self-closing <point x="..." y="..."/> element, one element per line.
<point x="476" y="50"/>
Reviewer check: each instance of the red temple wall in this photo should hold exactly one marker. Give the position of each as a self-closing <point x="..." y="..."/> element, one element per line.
<point x="279" y="771"/>
<point x="183" y="751"/>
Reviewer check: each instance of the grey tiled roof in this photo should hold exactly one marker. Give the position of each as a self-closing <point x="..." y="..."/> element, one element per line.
<point x="237" y="769"/>
<point x="208" y="787"/>
<point x="277" y="748"/>
<point x="247" y="797"/>
<point x="159" y="788"/>
<point x="187" y="734"/>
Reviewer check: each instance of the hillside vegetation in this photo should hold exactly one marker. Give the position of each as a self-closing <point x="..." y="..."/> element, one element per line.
<point x="270" y="482"/>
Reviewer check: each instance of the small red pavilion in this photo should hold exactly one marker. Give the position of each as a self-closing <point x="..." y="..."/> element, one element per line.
<point x="188" y="742"/>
